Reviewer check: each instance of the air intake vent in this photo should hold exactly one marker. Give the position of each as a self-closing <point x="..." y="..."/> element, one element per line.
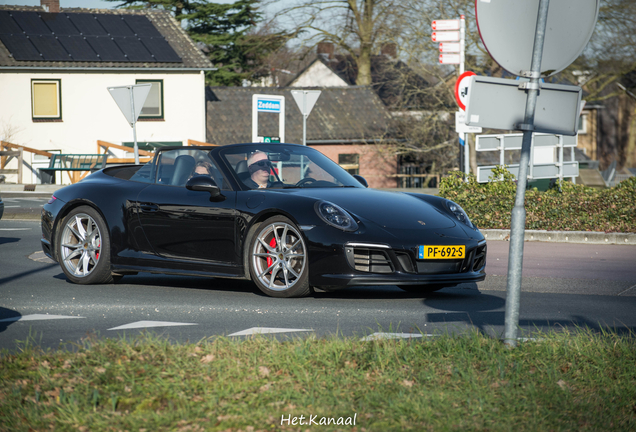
<point x="371" y="260"/>
<point x="480" y="258"/>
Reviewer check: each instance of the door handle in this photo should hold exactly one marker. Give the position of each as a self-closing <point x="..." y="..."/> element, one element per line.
<point x="148" y="207"/>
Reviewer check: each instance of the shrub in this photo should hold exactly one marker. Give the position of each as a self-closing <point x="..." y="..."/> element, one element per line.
<point x="565" y="207"/>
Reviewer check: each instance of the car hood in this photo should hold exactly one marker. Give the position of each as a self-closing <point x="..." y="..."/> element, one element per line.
<point x="389" y="210"/>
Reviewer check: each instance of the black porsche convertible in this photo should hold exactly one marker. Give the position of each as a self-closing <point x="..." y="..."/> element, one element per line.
<point x="283" y="215"/>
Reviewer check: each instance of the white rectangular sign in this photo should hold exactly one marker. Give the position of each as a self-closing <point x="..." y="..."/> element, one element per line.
<point x="461" y="126"/>
<point x="445" y="36"/>
<point x="449" y="47"/>
<point x="449" y="58"/>
<point x="499" y="103"/>
<point x="445" y="24"/>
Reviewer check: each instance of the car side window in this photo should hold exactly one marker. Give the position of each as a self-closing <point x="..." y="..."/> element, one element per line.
<point x="176" y="167"/>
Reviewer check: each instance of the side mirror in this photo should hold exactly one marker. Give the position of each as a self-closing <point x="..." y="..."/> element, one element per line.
<point x="362" y="180"/>
<point x="204" y="183"/>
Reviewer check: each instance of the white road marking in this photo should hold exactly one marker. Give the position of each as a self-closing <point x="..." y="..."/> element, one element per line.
<point x="38" y="317"/>
<point x="147" y="324"/>
<point x="381" y="335"/>
<point x="15" y="229"/>
<point x="39" y="256"/>
<point x="264" y="330"/>
<point x="12" y="207"/>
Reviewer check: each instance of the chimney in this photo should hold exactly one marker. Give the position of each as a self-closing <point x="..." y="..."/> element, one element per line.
<point x="389" y="50"/>
<point x="52" y="6"/>
<point x="325" y="49"/>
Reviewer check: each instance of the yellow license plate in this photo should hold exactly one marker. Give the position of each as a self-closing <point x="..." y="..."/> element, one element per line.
<point x="441" y="252"/>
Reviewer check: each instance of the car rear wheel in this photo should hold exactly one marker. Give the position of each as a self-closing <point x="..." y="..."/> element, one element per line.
<point x="83" y="247"/>
<point x="278" y="259"/>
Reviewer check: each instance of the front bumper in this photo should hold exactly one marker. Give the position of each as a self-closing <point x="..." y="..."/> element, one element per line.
<point x="48" y="220"/>
<point x="361" y="263"/>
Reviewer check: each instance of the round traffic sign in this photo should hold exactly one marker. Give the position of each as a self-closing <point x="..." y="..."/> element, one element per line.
<point x="461" y="89"/>
<point x="507" y="29"/>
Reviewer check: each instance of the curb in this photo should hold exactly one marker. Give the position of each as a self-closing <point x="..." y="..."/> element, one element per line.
<point x="589" y="237"/>
<point x="10" y="194"/>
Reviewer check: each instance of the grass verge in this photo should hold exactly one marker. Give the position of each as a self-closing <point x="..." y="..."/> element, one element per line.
<point x="566" y="381"/>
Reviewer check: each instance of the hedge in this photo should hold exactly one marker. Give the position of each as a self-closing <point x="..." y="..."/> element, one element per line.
<point x="564" y="207"/>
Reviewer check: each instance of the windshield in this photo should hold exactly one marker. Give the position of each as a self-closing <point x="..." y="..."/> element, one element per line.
<point x="282" y="166"/>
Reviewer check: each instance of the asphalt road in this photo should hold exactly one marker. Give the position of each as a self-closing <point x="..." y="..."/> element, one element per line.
<point x="564" y="285"/>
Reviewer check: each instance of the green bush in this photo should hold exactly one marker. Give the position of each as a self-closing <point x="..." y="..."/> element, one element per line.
<point x="565" y="207"/>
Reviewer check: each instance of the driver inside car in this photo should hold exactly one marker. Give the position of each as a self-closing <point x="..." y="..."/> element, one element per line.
<point x="259" y="168"/>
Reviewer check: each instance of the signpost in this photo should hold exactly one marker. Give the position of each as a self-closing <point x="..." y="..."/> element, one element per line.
<point x="130" y="100"/>
<point x="518" y="44"/>
<point x="452" y="34"/>
<point x="305" y="99"/>
<point x="269" y="104"/>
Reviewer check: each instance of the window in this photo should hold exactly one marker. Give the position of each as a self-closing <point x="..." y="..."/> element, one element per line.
<point x="582" y="124"/>
<point x="46" y="99"/>
<point x="153" y="107"/>
<point x="350" y="162"/>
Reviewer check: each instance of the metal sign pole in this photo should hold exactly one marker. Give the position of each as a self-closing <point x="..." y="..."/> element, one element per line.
<point x="463" y="145"/>
<point x="134" y="125"/>
<point x="518" y="222"/>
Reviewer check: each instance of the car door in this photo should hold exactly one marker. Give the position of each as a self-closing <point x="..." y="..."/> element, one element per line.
<point x="184" y="224"/>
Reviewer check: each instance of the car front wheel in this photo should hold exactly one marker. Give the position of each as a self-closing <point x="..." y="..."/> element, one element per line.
<point x="278" y="259"/>
<point x="83" y="247"/>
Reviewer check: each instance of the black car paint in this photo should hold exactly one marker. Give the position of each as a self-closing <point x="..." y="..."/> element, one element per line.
<point x="126" y="205"/>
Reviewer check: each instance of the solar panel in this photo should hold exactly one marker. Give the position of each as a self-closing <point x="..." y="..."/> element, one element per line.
<point x="79" y="48"/>
<point x="106" y="48"/>
<point x="161" y="50"/>
<point x="50" y="48"/>
<point x="133" y="49"/>
<point x="141" y="26"/>
<point x="31" y="23"/>
<point x="20" y="47"/>
<point x="114" y="25"/>
<point x="7" y="24"/>
<point x="87" y="24"/>
<point x="60" y="24"/>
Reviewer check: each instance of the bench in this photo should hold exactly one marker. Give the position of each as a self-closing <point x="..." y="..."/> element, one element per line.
<point x="74" y="165"/>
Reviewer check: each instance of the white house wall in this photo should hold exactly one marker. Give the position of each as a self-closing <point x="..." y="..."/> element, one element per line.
<point x="89" y="112"/>
<point x="318" y="75"/>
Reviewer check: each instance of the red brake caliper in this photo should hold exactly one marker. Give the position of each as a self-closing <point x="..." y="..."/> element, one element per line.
<point x="97" y="253"/>
<point x="269" y="260"/>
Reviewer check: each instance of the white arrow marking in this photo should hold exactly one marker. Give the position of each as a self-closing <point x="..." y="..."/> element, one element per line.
<point x="263" y="330"/>
<point x="145" y="324"/>
<point x="38" y="317"/>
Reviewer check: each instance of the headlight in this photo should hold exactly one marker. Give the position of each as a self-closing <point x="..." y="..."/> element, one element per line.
<point x="335" y="216"/>
<point x="459" y="213"/>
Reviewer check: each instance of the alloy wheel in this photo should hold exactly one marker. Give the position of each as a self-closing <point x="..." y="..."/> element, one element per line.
<point x="80" y="245"/>
<point x="279" y="256"/>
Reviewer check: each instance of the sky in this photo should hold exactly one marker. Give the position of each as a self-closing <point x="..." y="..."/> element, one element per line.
<point x="96" y="4"/>
<point x="89" y="4"/>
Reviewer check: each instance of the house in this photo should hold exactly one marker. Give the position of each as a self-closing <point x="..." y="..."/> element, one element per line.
<point x="55" y="67"/>
<point x="350" y="125"/>
<point x="397" y="85"/>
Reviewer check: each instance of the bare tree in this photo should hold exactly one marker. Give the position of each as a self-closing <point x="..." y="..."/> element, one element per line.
<point x="358" y="27"/>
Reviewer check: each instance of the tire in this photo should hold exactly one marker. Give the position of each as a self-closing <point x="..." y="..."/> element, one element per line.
<point x="83" y="247"/>
<point x="423" y="289"/>
<point x="278" y="259"/>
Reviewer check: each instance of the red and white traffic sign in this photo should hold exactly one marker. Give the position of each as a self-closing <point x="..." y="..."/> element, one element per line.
<point x="449" y="58"/>
<point x="445" y="36"/>
<point x="445" y="24"/>
<point x="461" y="89"/>
<point x="449" y="47"/>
